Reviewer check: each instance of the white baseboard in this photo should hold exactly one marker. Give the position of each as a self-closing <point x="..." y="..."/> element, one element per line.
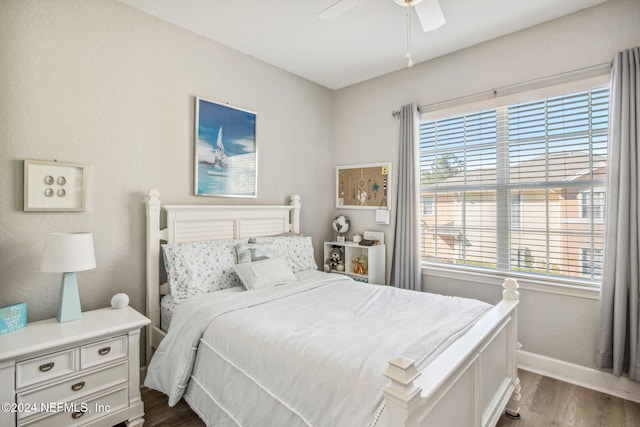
<point x="593" y="379"/>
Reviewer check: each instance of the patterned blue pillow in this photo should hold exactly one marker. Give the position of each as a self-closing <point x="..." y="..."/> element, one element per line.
<point x="296" y="251"/>
<point x="199" y="267"/>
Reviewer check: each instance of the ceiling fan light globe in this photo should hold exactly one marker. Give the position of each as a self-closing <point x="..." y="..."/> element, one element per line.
<point x="430" y="15"/>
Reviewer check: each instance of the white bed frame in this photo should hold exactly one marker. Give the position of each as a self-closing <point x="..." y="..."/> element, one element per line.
<point x="470" y="384"/>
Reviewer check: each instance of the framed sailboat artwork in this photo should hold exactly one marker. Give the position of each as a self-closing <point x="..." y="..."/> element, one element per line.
<point x="226" y="163"/>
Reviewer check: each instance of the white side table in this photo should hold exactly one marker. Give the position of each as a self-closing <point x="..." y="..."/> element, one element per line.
<point x="86" y="371"/>
<point x="375" y="255"/>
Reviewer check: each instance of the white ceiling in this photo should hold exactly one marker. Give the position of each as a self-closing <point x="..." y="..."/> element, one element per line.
<point x="365" y="42"/>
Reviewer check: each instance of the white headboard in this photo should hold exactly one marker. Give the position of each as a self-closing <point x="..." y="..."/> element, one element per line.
<point x="191" y="223"/>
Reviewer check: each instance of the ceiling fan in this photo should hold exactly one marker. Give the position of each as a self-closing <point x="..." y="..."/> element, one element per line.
<point x="428" y="11"/>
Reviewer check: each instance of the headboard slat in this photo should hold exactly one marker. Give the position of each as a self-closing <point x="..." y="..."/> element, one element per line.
<point x="191" y="231"/>
<point x="262" y="227"/>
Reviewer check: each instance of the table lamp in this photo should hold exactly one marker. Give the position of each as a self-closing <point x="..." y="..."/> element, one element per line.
<point x="67" y="253"/>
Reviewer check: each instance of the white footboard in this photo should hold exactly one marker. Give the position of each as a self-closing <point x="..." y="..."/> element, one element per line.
<point x="470" y="384"/>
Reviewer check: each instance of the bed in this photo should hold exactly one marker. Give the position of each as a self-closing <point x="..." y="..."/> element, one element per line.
<point x="280" y="353"/>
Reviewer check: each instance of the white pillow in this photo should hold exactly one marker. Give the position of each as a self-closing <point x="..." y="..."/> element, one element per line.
<point x="265" y="273"/>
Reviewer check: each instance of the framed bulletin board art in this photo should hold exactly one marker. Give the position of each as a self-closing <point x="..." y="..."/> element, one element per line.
<point x="226" y="163"/>
<point x="365" y="186"/>
<point x="53" y="186"/>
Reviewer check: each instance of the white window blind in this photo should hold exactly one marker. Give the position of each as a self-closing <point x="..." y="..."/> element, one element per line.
<point x="519" y="187"/>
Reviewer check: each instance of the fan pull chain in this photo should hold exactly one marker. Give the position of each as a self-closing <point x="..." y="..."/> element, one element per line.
<point x="408" y="54"/>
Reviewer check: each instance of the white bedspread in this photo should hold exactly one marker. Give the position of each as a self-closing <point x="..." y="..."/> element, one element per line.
<point x="317" y="348"/>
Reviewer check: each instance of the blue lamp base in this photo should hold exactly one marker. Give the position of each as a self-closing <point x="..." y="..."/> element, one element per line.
<point x="69" y="308"/>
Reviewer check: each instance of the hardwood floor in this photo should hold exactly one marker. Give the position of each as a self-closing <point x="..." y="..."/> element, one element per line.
<point x="545" y="402"/>
<point x="158" y="412"/>
<point x="548" y="402"/>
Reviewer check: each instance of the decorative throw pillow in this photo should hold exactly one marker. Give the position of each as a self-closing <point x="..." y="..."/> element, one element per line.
<point x="199" y="267"/>
<point x="252" y="251"/>
<point x="264" y="273"/>
<point x="297" y="252"/>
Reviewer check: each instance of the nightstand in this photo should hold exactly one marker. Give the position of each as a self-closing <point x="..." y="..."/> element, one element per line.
<point x="83" y="372"/>
<point x="375" y="271"/>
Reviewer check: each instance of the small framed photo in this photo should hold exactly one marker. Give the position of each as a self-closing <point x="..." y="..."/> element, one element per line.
<point x="53" y="186"/>
<point x="226" y="163"/>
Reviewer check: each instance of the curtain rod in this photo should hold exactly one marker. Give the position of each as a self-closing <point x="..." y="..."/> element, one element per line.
<point x="581" y="73"/>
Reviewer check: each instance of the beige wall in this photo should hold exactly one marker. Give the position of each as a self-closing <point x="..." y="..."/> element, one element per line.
<point x="102" y="84"/>
<point x="556" y="326"/>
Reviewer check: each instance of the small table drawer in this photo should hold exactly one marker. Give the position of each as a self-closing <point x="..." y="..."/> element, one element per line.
<point x="72" y="388"/>
<point x="79" y="413"/>
<point x="104" y="351"/>
<point x="44" y="368"/>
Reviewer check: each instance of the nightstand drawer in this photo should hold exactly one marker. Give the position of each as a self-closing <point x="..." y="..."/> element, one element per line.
<point x="103" y="351"/>
<point x="95" y="407"/>
<point x="45" y="368"/>
<point x="71" y="389"/>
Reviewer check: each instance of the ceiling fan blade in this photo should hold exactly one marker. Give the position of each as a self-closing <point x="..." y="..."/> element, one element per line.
<point x="429" y="14"/>
<point x="338" y="9"/>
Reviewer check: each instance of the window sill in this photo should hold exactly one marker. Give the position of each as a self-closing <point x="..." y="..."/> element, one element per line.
<point x="559" y="287"/>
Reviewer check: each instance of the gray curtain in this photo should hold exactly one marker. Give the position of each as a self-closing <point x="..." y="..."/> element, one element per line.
<point x="405" y="264"/>
<point x="618" y="341"/>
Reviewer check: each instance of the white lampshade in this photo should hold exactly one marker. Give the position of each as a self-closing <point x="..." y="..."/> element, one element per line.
<point x="68" y="252"/>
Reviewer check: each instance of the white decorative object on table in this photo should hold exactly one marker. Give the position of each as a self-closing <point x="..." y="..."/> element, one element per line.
<point x="340" y="224"/>
<point x="120" y="300"/>
<point x="374" y="235"/>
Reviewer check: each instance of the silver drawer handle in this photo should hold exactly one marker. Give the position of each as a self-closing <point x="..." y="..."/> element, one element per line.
<point x="77" y="414"/>
<point x="77" y="386"/>
<point x="104" y="351"/>
<point x="46" y="367"/>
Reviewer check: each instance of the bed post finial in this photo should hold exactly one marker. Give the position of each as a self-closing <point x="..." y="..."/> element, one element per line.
<point x="154" y="197"/>
<point x="295" y="213"/>
<point x="510" y="289"/>
<point x="402" y="393"/>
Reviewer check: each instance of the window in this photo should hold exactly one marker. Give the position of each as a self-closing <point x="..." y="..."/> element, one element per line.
<point x="592" y="263"/>
<point x="519" y="187"/>
<point x="592" y="203"/>
<point x="427" y="205"/>
<point x="516" y="210"/>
